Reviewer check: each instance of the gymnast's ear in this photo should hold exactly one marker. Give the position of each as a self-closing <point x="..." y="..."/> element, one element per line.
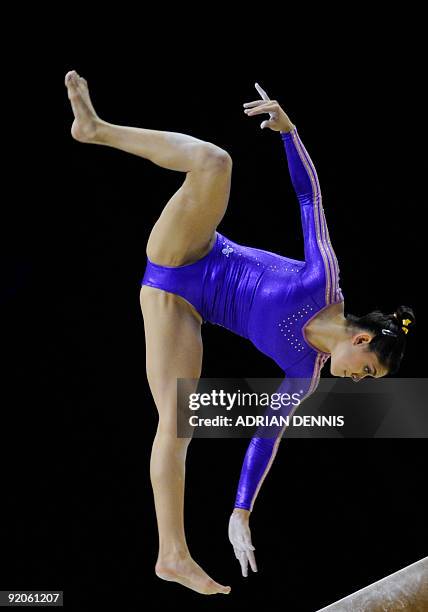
<point x="362" y="337"/>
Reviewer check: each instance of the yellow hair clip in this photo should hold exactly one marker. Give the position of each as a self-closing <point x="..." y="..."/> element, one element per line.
<point x="405" y="323"/>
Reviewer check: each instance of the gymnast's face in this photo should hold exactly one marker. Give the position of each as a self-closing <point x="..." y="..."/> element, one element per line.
<point x="352" y="359"/>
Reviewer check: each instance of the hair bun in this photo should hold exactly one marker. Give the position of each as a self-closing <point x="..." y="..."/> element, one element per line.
<point x="404" y="317"/>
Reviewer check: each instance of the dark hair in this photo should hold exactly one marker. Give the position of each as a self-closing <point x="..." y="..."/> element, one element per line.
<point x="390" y="332"/>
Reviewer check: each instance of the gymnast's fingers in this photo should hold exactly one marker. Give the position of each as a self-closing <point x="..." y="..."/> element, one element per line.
<point x="267" y="107"/>
<point x="240" y="555"/>
<point x="262" y="92"/>
<point x="243" y="560"/>
<point x="252" y="560"/>
<point x="255" y="103"/>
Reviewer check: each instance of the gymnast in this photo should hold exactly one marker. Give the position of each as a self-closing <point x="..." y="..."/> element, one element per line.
<point x="290" y="310"/>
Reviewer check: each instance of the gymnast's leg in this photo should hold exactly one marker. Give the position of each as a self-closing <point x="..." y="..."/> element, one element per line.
<point x="183" y="233"/>
<point x="173" y="350"/>
<point x="186" y="228"/>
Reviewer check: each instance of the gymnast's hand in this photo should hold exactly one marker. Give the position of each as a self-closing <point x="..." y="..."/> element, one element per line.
<point x="240" y="538"/>
<point x="278" y="121"/>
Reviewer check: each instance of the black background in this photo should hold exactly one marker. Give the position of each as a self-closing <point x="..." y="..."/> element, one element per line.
<point x="78" y="417"/>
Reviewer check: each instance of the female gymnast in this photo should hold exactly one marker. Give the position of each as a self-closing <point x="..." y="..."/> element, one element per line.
<point x="292" y="311"/>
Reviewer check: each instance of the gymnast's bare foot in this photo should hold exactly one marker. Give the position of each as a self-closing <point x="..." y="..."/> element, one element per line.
<point x="86" y="122"/>
<point x="184" y="570"/>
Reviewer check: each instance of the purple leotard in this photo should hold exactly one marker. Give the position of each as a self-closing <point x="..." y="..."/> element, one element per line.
<point x="268" y="299"/>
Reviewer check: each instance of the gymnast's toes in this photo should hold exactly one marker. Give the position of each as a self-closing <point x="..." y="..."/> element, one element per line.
<point x="86" y="122"/>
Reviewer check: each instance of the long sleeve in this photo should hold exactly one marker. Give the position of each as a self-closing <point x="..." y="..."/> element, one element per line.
<point x="262" y="449"/>
<point x="320" y="257"/>
<point x="257" y="461"/>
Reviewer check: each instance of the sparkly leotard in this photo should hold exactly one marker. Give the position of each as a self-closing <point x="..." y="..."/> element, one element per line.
<point x="268" y="299"/>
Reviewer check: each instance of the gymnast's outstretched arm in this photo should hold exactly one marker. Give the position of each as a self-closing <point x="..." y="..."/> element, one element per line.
<point x="320" y="258"/>
<point x="259" y="458"/>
